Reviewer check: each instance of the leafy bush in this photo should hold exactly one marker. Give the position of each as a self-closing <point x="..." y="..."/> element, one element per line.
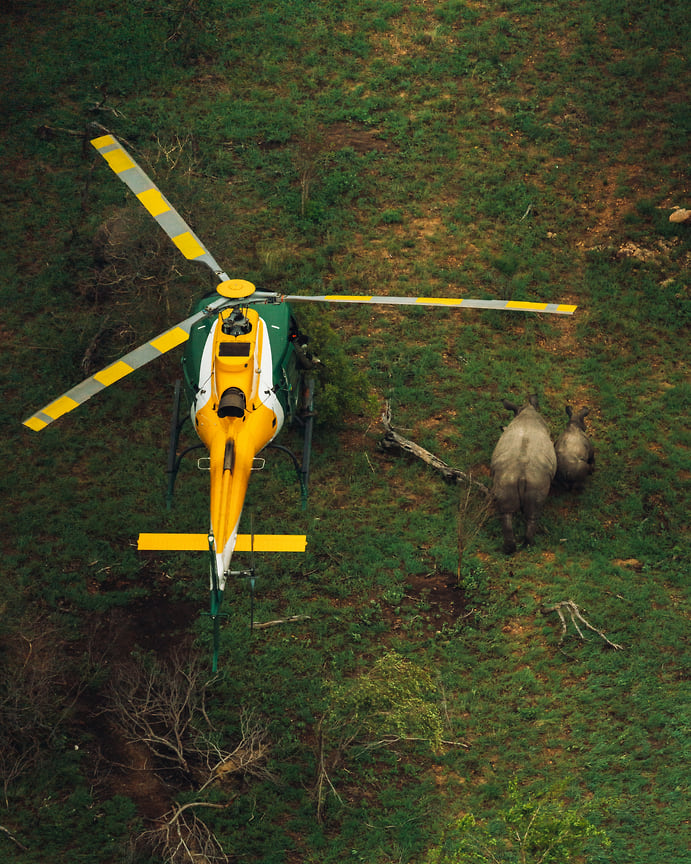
<point x="395" y="699"/>
<point x="535" y="826"/>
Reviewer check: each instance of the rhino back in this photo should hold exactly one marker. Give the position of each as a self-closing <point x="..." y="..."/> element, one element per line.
<point x="574" y="454"/>
<point x="523" y="463"/>
<point x="525" y="447"/>
<point x="573" y="443"/>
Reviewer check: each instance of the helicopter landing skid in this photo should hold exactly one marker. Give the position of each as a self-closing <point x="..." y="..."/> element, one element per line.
<point x="175" y="458"/>
<point x="306" y="420"/>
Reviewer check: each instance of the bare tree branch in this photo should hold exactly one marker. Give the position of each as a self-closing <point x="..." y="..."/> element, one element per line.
<point x="247" y="759"/>
<point x="163" y="707"/>
<point x="281" y="621"/>
<point x="181" y="836"/>
<point x="575" y="615"/>
<point x="9" y="834"/>
<point x="393" y="441"/>
<point x="36" y="697"/>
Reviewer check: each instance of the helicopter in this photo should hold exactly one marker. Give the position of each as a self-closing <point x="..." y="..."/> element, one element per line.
<point x="247" y="370"/>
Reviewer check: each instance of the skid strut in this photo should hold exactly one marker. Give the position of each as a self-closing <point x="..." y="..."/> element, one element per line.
<point x="175" y="459"/>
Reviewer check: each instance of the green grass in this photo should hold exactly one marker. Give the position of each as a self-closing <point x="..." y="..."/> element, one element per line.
<point x="445" y="149"/>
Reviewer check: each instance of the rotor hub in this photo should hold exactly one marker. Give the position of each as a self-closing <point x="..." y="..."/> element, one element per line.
<point x="235" y="289"/>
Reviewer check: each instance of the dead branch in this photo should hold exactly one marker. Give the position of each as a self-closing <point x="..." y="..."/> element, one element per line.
<point x="249" y="758"/>
<point x="163" y="707"/>
<point x="471" y="517"/>
<point x="183" y="837"/>
<point x="36" y="697"/>
<point x="390" y="740"/>
<point x="9" y="834"/>
<point x="101" y="106"/>
<point x="575" y="615"/>
<point x="324" y="782"/>
<point x="46" y="133"/>
<point x="393" y="441"/>
<point x="281" y="621"/>
<point x="87" y="359"/>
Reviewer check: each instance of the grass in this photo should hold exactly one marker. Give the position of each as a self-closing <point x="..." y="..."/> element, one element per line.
<point x="434" y="149"/>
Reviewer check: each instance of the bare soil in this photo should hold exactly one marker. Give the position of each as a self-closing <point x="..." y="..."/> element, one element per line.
<point x="119" y="765"/>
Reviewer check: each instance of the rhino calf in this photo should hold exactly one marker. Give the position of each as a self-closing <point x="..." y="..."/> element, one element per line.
<point x="522" y="468"/>
<point x="575" y="452"/>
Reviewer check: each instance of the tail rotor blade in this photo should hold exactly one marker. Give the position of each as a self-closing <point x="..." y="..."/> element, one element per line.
<point x="156" y="203"/>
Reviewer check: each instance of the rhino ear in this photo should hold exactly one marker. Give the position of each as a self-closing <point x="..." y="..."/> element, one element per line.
<point x="569" y="411"/>
<point x="582" y="414"/>
<point x="532" y="399"/>
<point x="509" y="406"/>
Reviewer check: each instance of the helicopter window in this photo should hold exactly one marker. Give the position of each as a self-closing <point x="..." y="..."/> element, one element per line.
<point x="234" y="349"/>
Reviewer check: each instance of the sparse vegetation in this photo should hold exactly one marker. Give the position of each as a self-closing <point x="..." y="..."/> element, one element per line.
<point x="445" y="148"/>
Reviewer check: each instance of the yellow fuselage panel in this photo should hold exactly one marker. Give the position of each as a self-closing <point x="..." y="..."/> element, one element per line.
<point x="234" y="441"/>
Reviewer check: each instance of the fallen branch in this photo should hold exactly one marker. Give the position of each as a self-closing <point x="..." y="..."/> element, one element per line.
<point x="393" y="441"/>
<point x="471" y="517"/>
<point x="280" y="621"/>
<point x="13" y="838"/>
<point x="390" y="740"/>
<point x="575" y="613"/>
<point x="182" y="838"/>
<point x="46" y="132"/>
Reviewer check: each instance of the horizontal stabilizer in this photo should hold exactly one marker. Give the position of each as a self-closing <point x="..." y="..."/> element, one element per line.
<point x="200" y="542"/>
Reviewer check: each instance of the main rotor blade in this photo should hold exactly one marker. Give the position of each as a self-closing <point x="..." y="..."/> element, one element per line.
<point x="110" y="374"/>
<point x="156" y="203"/>
<point x="506" y="305"/>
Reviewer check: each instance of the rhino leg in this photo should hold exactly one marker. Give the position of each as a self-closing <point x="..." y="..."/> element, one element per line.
<point x="507" y="531"/>
<point x="531" y="511"/>
<point x="530" y="529"/>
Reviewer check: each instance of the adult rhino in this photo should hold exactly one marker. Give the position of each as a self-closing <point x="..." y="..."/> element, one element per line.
<point x="523" y="466"/>
<point x="575" y="451"/>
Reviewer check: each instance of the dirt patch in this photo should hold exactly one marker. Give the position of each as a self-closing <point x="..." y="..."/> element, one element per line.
<point x="629" y="563"/>
<point x="340" y="136"/>
<point x="433" y="600"/>
<point x="120" y="766"/>
<point x="129" y="769"/>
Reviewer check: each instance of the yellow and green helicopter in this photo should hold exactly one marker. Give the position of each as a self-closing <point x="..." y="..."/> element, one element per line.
<point x="246" y="371"/>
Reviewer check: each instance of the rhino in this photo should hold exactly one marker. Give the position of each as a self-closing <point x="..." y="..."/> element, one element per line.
<point x="575" y="451"/>
<point x="522" y="469"/>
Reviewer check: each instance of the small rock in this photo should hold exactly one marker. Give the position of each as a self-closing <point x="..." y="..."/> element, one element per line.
<point x="680" y="215"/>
